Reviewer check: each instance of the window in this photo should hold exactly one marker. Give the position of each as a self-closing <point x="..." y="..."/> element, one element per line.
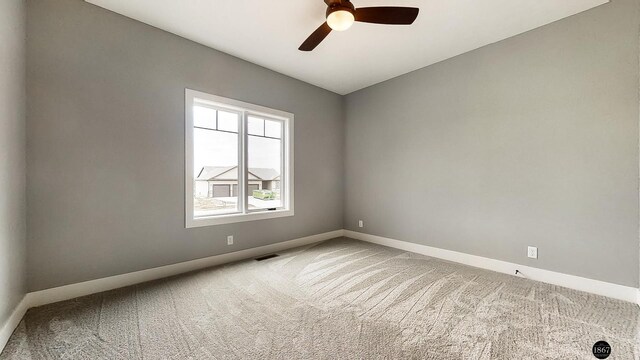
<point x="239" y="161"/>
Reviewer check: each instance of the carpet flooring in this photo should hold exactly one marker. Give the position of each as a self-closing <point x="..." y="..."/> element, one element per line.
<point x="339" y="299"/>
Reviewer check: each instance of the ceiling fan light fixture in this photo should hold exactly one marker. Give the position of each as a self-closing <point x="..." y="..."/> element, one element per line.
<point x="340" y="19"/>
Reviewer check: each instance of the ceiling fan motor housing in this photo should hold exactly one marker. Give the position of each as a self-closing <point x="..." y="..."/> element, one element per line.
<point x="341" y="5"/>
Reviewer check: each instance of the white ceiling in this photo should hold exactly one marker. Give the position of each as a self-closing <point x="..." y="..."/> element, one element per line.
<point x="268" y="33"/>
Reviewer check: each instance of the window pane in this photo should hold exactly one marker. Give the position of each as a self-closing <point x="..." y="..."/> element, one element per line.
<point x="265" y="169"/>
<point x="255" y="126"/>
<point x="273" y="129"/>
<point x="215" y="159"/>
<point x="204" y="117"/>
<point x="228" y="121"/>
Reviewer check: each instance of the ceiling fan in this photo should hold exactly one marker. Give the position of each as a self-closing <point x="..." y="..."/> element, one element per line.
<point x="341" y="14"/>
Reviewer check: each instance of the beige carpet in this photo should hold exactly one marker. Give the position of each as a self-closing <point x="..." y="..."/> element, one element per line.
<point x="341" y="299"/>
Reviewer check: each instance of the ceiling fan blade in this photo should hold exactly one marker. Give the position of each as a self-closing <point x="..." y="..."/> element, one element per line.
<point x="316" y="38"/>
<point x="389" y="15"/>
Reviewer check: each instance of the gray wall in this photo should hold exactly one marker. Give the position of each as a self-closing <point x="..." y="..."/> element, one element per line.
<point x="529" y="141"/>
<point x="12" y="156"/>
<point x="105" y="129"/>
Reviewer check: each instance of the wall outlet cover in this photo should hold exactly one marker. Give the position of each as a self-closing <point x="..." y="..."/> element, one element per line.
<point x="360" y="223"/>
<point x="230" y="240"/>
<point x="532" y="252"/>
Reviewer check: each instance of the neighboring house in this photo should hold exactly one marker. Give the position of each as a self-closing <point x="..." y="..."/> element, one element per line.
<point x="222" y="181"/>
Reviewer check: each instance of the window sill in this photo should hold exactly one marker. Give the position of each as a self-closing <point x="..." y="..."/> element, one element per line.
<point x="236" y="218"/>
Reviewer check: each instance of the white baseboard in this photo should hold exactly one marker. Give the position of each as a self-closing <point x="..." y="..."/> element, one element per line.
<point x="12" y="322"/>
<point x="615" y="291"/>
<point x="48" y="296"/>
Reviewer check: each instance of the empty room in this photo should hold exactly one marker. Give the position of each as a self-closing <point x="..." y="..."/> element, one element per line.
<point x="320" y="179"/>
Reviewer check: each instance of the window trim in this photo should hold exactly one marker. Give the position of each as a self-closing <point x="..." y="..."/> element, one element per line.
<point x="287" y="177"/>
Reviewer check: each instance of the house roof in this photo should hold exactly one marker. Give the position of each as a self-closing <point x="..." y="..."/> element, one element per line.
<point x="264" y="173"/>
<point x="212" y="172"/>
<point x="231" y="173"/>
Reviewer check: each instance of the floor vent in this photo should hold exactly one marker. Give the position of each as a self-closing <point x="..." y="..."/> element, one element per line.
<point x="266" y="257"/>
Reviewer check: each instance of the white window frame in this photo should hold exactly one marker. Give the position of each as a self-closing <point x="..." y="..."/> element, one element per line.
<point x="245" y="110"/>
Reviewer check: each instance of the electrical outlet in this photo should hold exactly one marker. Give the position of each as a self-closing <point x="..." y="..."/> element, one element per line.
<point x="532" y="252"/>
<point x="360" y="223"/>
<point x="230" y="240"/>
